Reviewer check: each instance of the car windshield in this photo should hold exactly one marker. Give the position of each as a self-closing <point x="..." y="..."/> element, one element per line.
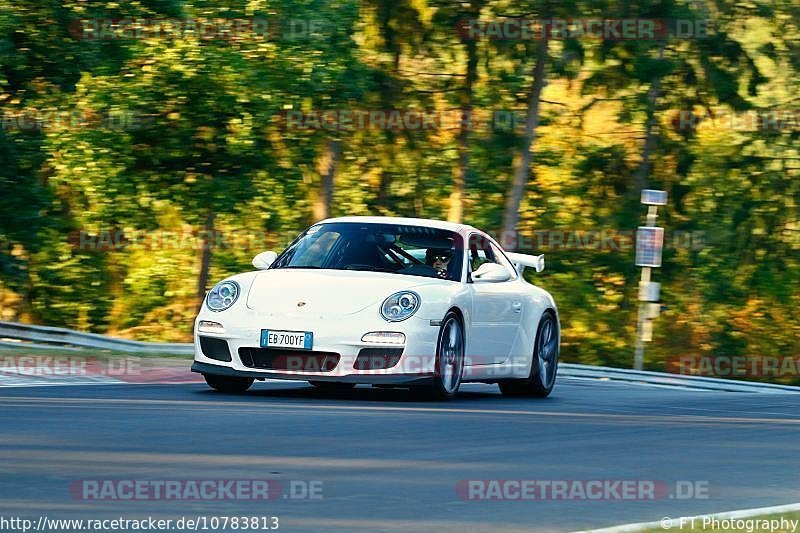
<point x="395" y="248"/>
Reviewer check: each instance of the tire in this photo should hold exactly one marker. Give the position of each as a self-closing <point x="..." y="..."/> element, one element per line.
<point x="449" y="362"/>
<point x="544" y="365"/>
<point x="229" y="384"/>
<point x="332" y="385"/>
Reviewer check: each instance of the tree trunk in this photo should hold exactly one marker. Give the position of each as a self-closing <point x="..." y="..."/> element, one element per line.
<point x="205" y="257"/>
<point x="456" y="208"/>
<point x="522" y="169"/>
<point x="327" y="170"/>
<point x="379" y="205"/>
<point x="390" y="94"/>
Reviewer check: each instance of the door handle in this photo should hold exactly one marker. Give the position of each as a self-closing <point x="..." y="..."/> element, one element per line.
<point x="517" y="306"/>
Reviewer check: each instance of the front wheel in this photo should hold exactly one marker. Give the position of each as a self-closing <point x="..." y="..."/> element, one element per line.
<point x="449" y="365"/>
<point x="544" y="366"/>
<point x="228" y="383"/>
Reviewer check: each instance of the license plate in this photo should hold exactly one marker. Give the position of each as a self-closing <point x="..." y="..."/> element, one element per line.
<point x="299" y="340"/>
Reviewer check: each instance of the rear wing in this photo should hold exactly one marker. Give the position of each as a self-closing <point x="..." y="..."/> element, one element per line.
<point x="523" y="260"/>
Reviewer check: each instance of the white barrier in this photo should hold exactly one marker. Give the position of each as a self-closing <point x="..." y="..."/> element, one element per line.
<point x="669" y="380"/>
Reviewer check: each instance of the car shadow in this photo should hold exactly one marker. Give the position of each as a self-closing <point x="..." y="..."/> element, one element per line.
<point x="361" y="393"/>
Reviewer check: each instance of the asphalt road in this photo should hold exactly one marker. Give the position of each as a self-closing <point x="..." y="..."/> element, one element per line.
<point x="388" y="462"/>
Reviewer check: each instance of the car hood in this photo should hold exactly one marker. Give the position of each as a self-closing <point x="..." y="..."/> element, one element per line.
<point x="304" y="292"/>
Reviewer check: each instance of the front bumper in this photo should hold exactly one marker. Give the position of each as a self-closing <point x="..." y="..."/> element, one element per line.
<point x="341" y="336"/>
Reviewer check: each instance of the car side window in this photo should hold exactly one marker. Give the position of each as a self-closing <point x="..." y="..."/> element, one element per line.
<point x="478" y="258"/>
<point x="503" y="260"/>
<point x="480" y="252"/>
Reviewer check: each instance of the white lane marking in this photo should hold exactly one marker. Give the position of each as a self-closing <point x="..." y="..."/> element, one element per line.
<point x="59" y="384"/>
<point x="675" y="521"/>
<point x="642" y="384"/>
<point x="21" y="380"/>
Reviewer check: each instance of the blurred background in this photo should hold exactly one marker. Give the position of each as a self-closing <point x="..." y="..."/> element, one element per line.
<point x="150" y="148"/>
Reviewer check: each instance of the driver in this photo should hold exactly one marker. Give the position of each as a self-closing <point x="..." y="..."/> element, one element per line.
<point x="439" y="258"/>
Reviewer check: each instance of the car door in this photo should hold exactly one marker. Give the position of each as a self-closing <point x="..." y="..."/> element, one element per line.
<point x="496" y="306"/>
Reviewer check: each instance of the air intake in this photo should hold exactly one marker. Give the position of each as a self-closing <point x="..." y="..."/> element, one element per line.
<point x="214" y="348"/>
<point x="377" y="358"/>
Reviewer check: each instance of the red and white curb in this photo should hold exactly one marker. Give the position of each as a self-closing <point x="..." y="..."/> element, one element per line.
<point x="95" y="373"/>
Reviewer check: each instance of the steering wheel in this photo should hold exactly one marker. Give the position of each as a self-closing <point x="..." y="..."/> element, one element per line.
<point x="420" y="270"/>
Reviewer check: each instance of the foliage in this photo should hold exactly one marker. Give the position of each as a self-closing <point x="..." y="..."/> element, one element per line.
<point x="182" y="136"/>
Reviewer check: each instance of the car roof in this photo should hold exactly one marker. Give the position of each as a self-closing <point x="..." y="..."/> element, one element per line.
<point x="404" y="221"/>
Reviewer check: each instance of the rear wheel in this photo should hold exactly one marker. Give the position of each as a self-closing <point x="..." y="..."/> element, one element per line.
<point x="544" y="366"/>
<point x="228" y="383"/>
<point x="449" y="360"/>
<point x="332" y="385"/>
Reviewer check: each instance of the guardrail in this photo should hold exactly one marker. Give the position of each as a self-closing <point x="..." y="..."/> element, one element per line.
<point x="46" y="337"/>
<point x="669" y="380"/>
<point x="49" y="337"/>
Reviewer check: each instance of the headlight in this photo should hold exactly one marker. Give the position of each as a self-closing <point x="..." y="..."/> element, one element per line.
<point x="400" y="306"/>
<point x="223" y="295"/>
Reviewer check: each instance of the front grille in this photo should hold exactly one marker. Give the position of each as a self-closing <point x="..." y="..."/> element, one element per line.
<point x="377" y="358"/>
<point x="281" y="359"/>
<point x="214" y="348"/>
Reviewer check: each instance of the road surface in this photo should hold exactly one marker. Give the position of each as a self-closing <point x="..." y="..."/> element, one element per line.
<point x="388" y="462"/>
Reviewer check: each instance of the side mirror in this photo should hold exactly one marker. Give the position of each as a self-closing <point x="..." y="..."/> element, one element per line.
<point x="263" y="260"/>
<point x="491" y="272"/>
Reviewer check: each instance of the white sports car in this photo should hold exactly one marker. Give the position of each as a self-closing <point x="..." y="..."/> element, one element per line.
<point x="385" y="301"/>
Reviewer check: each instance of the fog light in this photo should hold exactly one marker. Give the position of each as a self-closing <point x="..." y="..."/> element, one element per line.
<point x="384" y="337"/>
<point x="206" y="326"/>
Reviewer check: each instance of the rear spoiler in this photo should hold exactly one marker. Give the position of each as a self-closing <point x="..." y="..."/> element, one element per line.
<point x="523" y="260"/>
